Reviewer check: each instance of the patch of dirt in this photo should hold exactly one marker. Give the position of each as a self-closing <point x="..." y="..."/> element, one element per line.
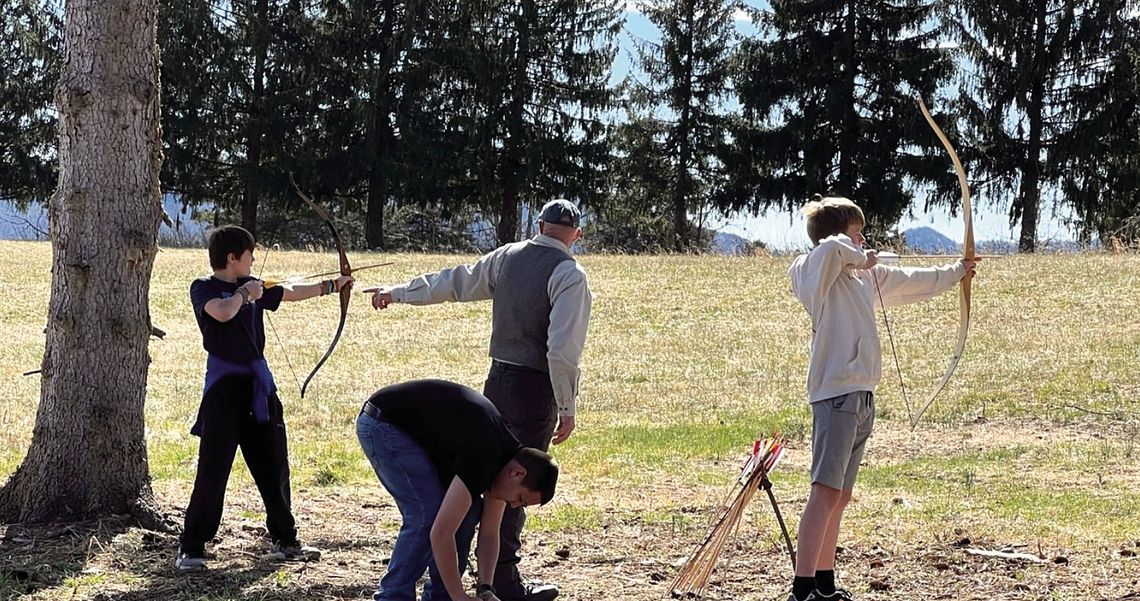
<point x="632" y="552"/>
<point x="625" y="558"/>
<point x="896" y="443"/>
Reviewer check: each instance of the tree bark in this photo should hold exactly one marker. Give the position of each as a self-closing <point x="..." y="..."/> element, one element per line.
<point x="381" y="144"/>
<point x="88" y="454"/>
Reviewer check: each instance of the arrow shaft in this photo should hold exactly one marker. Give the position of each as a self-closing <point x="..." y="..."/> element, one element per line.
<point x="955" y="257"/>
<point x="270" y="283"/>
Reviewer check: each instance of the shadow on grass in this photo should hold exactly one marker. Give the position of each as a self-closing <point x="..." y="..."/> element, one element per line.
<point x="113" y="560"/>
<point x="37" y="557"/>
<point x="236" y="585"/>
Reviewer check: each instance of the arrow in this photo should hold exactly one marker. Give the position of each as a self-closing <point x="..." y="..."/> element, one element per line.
<point x="272" y="282"/>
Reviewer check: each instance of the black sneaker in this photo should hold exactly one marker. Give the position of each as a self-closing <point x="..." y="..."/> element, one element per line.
<point x="294" y="551"/>
<point x="530" y="591"/>
<point x="840" y="594"/>
<point x="812" y="596"/>
<point x="190" y="560"/>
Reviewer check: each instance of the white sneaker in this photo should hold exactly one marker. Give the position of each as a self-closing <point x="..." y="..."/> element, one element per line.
<point x="840" y="594"/>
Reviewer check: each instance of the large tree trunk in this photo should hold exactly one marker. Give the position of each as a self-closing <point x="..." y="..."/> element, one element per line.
<point x="88" y="455"/>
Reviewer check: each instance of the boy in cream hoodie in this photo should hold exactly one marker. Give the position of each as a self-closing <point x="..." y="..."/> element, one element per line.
<point x="836" y="282"/>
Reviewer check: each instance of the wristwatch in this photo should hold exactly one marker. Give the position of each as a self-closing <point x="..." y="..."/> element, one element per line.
<point x="484" y="591"/>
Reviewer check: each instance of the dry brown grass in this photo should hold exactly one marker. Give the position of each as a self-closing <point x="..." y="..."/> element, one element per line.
<point x="689" y="358"/>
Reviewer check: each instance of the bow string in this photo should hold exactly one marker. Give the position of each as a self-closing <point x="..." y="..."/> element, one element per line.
<point x="967" y="254"/>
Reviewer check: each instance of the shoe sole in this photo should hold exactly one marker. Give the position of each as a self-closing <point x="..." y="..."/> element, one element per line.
<point x="190" y="568"/>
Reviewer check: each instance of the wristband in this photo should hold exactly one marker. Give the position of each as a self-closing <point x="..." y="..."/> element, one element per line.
<point x="329" y="287"/>
<point x="244" y="295"/>
<point x="484" y="591"/>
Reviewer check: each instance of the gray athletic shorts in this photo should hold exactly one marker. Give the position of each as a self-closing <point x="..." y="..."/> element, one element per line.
<point x="839" y="431"/>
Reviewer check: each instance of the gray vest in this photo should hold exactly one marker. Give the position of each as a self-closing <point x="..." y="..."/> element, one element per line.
<point x="520" y="313"/>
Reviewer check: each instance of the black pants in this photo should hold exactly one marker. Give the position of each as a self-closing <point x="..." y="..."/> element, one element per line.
<point x="526" y="399"/>
<point x="227" y="423"/>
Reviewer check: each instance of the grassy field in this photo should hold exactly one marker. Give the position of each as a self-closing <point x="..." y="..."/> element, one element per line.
<point x="1033" y="443"/>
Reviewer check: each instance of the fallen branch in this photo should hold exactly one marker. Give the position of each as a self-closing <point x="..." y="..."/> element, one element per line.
<point x="1009" y="556"/>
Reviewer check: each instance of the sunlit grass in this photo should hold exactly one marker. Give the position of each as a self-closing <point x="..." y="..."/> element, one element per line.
<point x="688" y="359"/>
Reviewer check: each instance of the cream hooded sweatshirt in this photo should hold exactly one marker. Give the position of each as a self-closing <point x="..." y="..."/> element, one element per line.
<point x="846" y="354"/>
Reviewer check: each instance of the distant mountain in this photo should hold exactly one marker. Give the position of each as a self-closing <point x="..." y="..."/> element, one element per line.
<point x="33" y="225"/>
<point x="23" y="225"/>
<point x="927" y="240"/>
<point x="725" y="243"/>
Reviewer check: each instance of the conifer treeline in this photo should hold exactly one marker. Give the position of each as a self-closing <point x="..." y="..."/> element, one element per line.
<point x="410" y="117"/>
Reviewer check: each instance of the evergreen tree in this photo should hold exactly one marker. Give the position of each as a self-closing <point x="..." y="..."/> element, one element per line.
<point x="828" y="94"/>
<point x="387" y="121"/>
<point x="1102" y="178"/>
<point x="670" y="146"/>
<point x="30" y="53"/>
<point x="529" y="91"/>
<point x="1032" y="60"/>
<point x="88" y="454"/>
<point x="199" y="123"/>
<point x="240" y="84"/>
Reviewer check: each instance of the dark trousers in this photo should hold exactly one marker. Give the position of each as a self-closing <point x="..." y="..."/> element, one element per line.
<point x="526" y="399"/>
<point x="227" y="423"/>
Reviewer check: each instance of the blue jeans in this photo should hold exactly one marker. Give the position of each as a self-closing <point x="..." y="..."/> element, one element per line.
<point x="408" y="474"/>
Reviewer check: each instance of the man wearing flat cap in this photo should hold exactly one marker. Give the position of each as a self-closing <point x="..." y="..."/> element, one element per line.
<point x="540" y="310"/>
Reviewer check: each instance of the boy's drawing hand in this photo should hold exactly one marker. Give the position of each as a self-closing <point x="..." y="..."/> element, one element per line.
<point x="872" y="259"/>
<point x="972" y="265"/>
<point x="254" y="288"/>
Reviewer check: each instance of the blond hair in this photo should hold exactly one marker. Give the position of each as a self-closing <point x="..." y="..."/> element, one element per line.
<point x="831" y="215"/>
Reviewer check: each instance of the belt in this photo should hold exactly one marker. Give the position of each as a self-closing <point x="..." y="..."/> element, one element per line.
<point x="514" y="367"/>
<point x="374" y="412"/>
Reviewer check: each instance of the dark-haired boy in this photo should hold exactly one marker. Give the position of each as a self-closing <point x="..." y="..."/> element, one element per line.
<point x="839" y="285"/>
<point x="240" y="406"/>
<point x="447" y="457"/>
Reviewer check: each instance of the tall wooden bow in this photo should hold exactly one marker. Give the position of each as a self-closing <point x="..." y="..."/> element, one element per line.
<point x="967" y="253"/>
<point x="345" y="269"/>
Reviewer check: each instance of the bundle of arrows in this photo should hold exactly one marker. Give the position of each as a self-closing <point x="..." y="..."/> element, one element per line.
<point x="695" y="574"/>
